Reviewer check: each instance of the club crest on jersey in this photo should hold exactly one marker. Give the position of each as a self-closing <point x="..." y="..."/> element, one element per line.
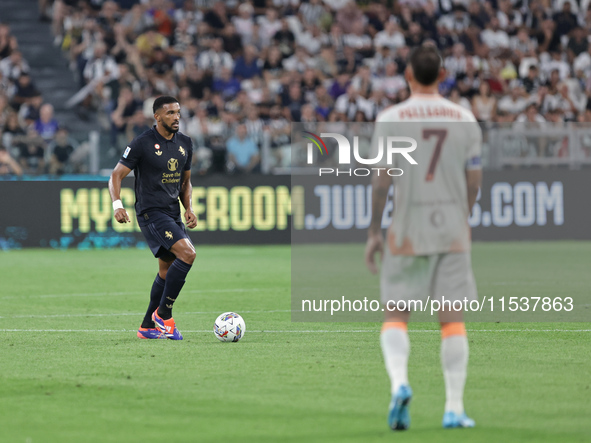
<point x="182" y="150"/>
<point x="173" y="164"/>
<point x="168" y="235"/>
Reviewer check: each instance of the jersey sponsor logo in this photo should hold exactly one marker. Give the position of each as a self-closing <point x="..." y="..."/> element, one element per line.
<point x="157" y="146"/>
<point x="126" y="153"/>
<point x="182" y="150"/>
<point x="173" y="164"/>
<point x="168" y="235"/>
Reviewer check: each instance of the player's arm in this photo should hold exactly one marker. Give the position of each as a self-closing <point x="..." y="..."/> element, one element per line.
<point x="185" y="196"/>
<point x="119" y="173"/>
<point x="380" y="184"/>
<point x="473" y="183"/>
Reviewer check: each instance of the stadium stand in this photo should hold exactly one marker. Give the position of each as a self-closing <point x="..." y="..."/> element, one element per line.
<point x="267" y="63"/>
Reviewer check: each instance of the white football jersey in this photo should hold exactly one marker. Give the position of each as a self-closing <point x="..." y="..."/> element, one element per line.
<point x="430" y="197"/>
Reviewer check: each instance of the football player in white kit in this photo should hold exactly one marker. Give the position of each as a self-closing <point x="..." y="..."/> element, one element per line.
<point x="427" y="252"/>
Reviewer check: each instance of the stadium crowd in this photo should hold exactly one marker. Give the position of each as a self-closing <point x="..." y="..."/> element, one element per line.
<point x="31" y="139"/>
<point x="243" y="71"/>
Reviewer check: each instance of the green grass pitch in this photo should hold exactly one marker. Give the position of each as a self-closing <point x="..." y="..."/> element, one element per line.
<point x="72" y="369"/>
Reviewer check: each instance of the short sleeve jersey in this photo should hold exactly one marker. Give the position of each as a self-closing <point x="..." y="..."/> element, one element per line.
<point x="430" y="198"/>
<point x="158" y="165"/>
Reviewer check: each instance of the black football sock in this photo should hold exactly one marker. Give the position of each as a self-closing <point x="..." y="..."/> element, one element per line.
<point x="175" y="279"/>
<point x="155" y="297"/>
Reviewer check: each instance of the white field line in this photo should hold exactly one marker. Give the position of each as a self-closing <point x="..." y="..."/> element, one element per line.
<point x="122" y="314"/>
<point x="352" y="331"/>
<point x="118" y="314"/>
<point x="102" y="294"/>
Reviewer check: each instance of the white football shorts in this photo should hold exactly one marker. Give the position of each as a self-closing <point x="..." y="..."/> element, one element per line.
<point x="438" y="276"/>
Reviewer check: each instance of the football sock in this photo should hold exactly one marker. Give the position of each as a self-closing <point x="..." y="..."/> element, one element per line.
<point x="454" y="361"/>
<point x="155" y="297"/>
<point x="396" y="348"/>
<point x="175" y="279"/>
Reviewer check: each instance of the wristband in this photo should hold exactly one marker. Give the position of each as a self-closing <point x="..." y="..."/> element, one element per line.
<point x="117" y="205"/>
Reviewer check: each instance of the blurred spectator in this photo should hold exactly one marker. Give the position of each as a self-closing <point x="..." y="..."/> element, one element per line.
<point x="284" y="39"/>
<point x="14" y="66"/>
<point x="127" y="106"/>
<point x="217" y="17"/>
<point x="495" y="37"/>
<point x="299" y="62"/>
<point x="484" y="106"/>
<point x="243" y="154"/>
<point x="232" y="41"/>
<point x="390" y="37"/>
<point x="350" y="103"/>
<point x="215" y="58"/>
<point x="30" y="112"/>
<point x="150" y="40"/>
<point x="312" y="12"/>
<point x="565" y="20"/>
<point x="11" y="133"/>
<point x="455" y="64"/>
<point x="59" y="151"/>
<point x="532" y="82"/>
<point x="244" y="23"/>
<point x="162" y="17"/>
<point x="312" y="39"/>
<point x="254" y="125"/>
<point x="227" y="85"/>
<point x="455" y="97"/>
<point x="46" y="125"/>
<point x="268" y="25"/>
<point x="101" y="67"/>
<point x="25" y="91"/>
<point x="136" y="125"/>
<point x="531" y="116"/>
<point x="181" y="39"/>
<point x="349" y="16"/>
<point x="247" y="66"/>
<point x="513" y="103"/>
<point x="8" y="165"/>
<point x="32" y="152"/>
<point x="5" y="48"/>
<point x="199" y="82"/>
<point x="135" y="20"/>
<point x="5" y="110"/>
<point x="358" y="39"/>
<point x="392" y="81"/>
<point x="293" y="100"/>
<point x="577" y="44"/>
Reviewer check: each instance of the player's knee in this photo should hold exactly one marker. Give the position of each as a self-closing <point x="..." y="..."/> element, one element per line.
<point x="188" y="256"/>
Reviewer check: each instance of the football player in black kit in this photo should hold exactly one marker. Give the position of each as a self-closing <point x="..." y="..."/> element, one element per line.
<point x="161" y="161"/>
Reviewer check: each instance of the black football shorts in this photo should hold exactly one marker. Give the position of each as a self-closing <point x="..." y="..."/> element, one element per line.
<point x="161" y="232"/>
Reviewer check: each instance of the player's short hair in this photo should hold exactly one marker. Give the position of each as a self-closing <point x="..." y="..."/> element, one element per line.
<point x="425" y="62"/>
<point x="163" y="100"/>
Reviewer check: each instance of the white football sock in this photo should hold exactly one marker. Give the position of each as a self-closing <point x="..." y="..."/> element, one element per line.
<point x="396" y="348"/>
<point x="454" y="360"/>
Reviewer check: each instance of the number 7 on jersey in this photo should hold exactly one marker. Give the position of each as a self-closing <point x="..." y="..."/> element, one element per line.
<point x="441" y="134"/>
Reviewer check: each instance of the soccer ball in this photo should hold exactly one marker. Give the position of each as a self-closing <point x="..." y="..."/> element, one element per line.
<point x="229" y="327"/>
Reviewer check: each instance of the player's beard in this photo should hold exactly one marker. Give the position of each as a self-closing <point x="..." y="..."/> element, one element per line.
<point x="170" y="129"/>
